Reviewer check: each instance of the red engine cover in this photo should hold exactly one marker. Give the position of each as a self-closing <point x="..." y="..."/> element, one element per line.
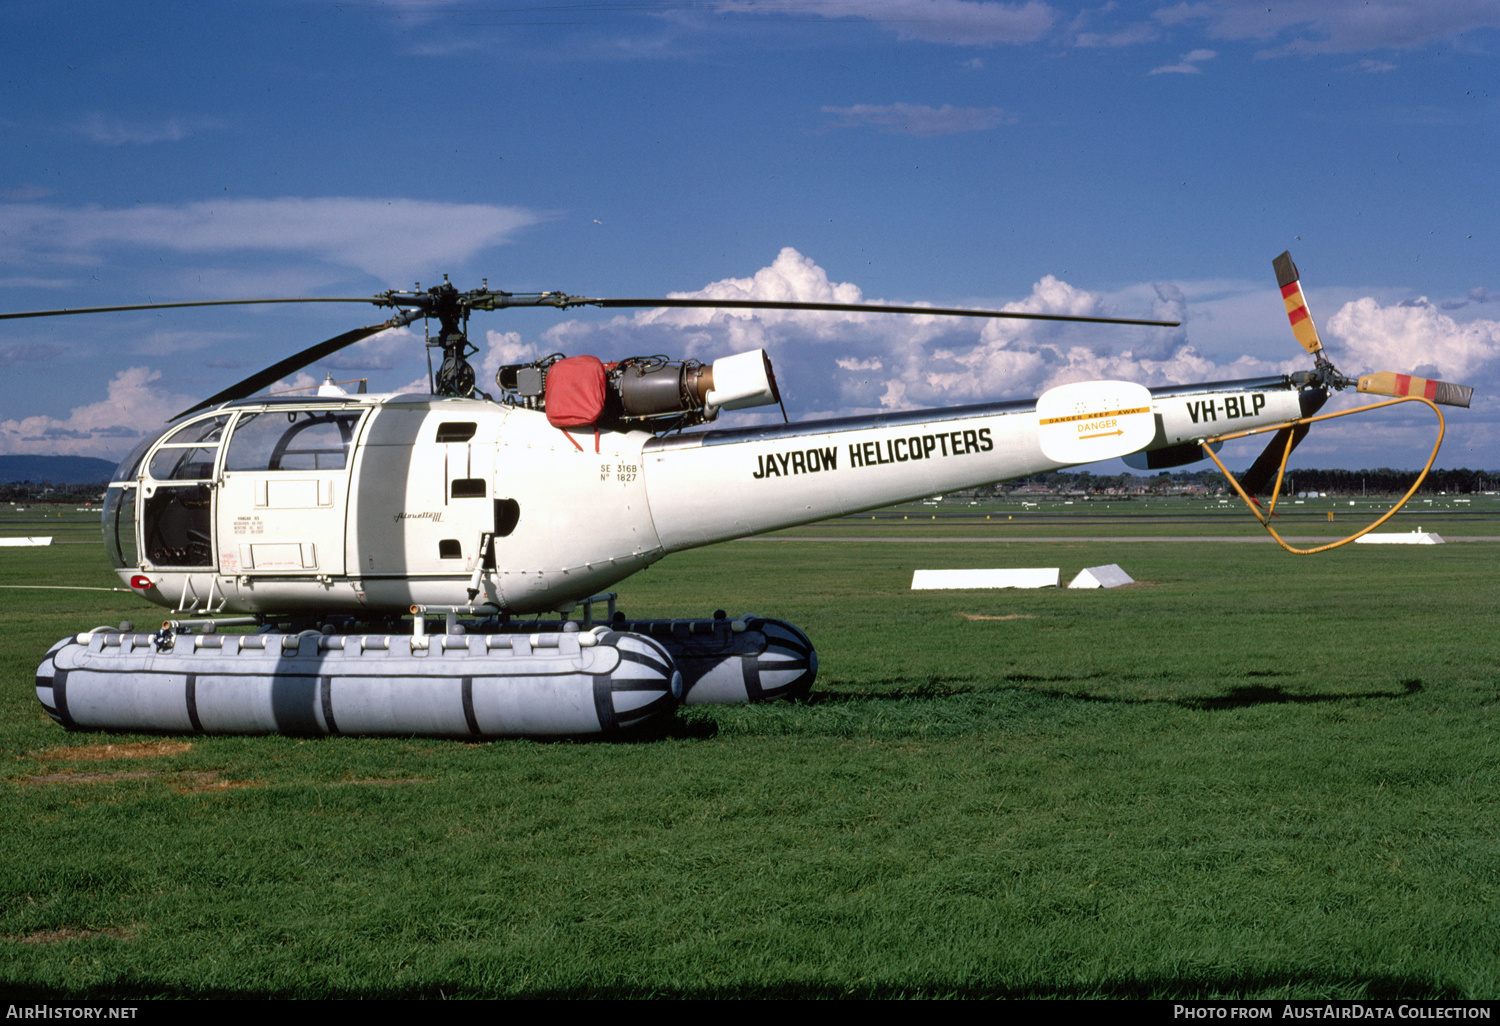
<point x="575" y="391"/>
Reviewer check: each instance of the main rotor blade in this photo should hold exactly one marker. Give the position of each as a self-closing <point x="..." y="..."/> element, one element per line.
<point x="376" y="300"/>
<point x="260" y="379"/>
<point x="938" y="311"/>
<point x="486" y="300"/>
<point x="1258" y="478"/>
<point x="1390" y="383"/>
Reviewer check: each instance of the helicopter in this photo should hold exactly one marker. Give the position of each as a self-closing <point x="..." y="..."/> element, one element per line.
<point x="325" y="520"/>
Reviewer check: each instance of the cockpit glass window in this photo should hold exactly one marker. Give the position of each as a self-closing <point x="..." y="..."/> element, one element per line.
<point x="130" y="464"/>
<point x="119" y="527"/>
<point x="292" y="440"/>
<point x="208" y="431"/>
<point x="183" y="464"/>
<point x="189" y="453"/>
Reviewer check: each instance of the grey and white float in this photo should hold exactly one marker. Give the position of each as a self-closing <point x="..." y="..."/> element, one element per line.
<point x="562" y="682"/>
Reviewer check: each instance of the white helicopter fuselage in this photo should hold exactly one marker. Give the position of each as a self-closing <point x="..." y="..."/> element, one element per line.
<point x="367" y="505"/>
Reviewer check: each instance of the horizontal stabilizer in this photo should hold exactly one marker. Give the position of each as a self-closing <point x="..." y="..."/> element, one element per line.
<point x="1179" y="455"/>
<point x="1390" y="383"/>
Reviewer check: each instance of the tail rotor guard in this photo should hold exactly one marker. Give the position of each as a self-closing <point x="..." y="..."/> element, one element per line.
<point x="1287" y="436"/>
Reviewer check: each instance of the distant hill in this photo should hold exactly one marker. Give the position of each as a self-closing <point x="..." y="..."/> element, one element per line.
<point x="56" y="469"/>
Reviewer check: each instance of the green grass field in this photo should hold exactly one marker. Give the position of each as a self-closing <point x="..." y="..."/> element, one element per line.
<point x="1252" y="774"/>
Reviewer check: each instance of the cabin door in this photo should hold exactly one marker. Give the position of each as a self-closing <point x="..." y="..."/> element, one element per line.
<point x="284" y="493"/>
<point x="176" y="497"/>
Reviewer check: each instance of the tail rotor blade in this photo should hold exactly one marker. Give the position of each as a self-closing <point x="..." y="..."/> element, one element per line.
<point x="260" y="379"/>
<point x="1296" y="304"/>
<point x="1390" y="383"/>
<point x="1258" y="478"/>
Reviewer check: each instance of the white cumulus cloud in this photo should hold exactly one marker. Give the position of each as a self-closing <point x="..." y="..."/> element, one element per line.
<point x="501" y="348"/>
<point x="1415" y="336"/>
<point x="134" y="407"/>
<point x="833" y="363"/>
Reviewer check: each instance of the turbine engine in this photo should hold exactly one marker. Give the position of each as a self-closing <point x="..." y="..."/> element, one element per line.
<point x="653" y="392"/>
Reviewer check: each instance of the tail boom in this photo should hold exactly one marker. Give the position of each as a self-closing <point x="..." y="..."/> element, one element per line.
<point x="712" y="486"/>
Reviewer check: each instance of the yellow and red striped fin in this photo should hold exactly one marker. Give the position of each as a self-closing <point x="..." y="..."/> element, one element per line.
<point x="1390" y="383"/>
<point x="1296" y="304"/>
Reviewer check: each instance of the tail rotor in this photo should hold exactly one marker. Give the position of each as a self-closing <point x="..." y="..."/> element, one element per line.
<point x="1325" y="377"/>
<point x="1387" y="383"/>
<point x="1269" y="468"/>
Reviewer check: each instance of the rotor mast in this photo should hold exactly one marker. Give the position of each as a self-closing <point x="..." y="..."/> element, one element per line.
<point x="455" y="375"/>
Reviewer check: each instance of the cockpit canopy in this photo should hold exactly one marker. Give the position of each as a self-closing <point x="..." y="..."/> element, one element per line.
<point x="172" y="492"/>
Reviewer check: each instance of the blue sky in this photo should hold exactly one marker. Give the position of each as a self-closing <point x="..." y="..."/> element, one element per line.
<point x="1124" y="159"/>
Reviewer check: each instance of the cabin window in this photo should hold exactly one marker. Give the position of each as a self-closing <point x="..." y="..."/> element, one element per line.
<point x="184" y="464"/>
<point x="190" y="452"/>
<point x="449" y="548"/>
<point x="119" y="527"/>
<point x="456" y="430"/>
<point x="128" y="467"/>
<point x="468" y="488"/>
<point x="507" y="515"/>
<point x="291" y="440"/>
<point x="203" y="432"/>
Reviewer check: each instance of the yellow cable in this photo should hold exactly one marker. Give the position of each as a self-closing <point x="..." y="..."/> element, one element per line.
<point x="1265" y="518"/>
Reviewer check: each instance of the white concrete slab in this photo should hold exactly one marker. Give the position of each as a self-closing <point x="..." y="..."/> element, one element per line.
<point x="1417" y="537"/>
<point x="942" y="580"/>
<point x="1110" y="576"/>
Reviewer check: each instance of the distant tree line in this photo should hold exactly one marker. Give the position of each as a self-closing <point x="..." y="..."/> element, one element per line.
<point x="1382" y="481"/>
<point x="49" y="491"/>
